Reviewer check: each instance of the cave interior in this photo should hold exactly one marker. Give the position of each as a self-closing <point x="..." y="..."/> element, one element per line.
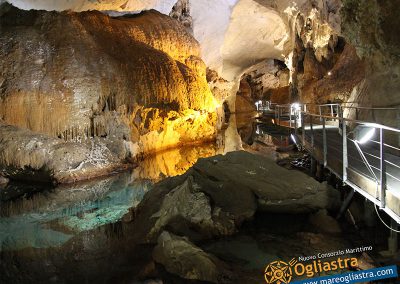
<point x="198" y="141"/>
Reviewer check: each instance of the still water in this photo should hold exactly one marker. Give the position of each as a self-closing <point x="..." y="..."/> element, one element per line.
<point x="83" y="232"/>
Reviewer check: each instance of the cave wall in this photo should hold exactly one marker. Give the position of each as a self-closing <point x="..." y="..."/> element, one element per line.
<point x="132" y="6"/>
<point x="334" y="50"/>
<point x="234" y="35"/>
<point x="372" y="28"/>
<point x="78" y="75"/>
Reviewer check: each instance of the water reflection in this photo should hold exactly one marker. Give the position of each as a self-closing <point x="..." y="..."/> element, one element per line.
<point x="51" y="218"/>
<point x="261" y="130"/>
<point x="173" y="162"/>
<point x="56" y="233"/>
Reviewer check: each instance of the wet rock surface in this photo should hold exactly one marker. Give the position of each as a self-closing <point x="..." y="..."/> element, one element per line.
<point x="181" y="257"/>
<point x="3" y="181"/>
<point x="187" y="204"/>
<point x="219" y="193"/>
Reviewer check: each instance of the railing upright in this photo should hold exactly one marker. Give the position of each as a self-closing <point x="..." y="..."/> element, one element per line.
<point x="303" y="129"/>
<point x="320" y="112"/>
<point x="324" y="142"/>
<point x="312" y="134"/>
<point x="382" y="184"/>
<point x="345" y="160"/>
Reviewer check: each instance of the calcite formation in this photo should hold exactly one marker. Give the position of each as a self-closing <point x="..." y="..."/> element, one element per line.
<point x="235" y="35"/>
<point x="25" y="155"/>
<point x="81" y="75"/>
<point x="101" y="5"/>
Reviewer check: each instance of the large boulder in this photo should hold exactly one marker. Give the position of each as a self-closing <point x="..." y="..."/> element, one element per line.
<point x="275" y="188"/>
<point x="218" y="193"/>
<point x="187" y="207"/>
<point x="181" y="257"/>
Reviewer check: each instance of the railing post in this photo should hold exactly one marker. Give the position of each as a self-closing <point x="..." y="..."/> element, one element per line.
<point x="331" y="110"/>
<point x="324" y="141"/>
<point x="312" y="134"/>
<point x="290" y="117"/>
<point x="340" y="122"/>
<point x="345" y="160"/>
<point x="296" y="115"/>
<point x="303" y="132"/>
<point x="398" y="124"/>
<point x="382" y="183"/>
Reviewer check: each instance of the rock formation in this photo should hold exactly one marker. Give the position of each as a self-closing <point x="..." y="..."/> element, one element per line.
<point x="318" y="35"/>
<point x="181" y="12"/>
<point x="219" y="193"/>
<point x="29" y="156"/>
<point x="213" y="199"/>
<point x="163" y="6"/>
<point x="79" y="76"/>
<point x="181" y="257"/>
<point x="377" y="42"/>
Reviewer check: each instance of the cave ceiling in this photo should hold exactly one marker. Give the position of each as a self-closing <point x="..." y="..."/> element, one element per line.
<point x="233" y="34"/>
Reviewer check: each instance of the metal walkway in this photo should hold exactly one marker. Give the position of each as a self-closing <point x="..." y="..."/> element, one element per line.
<point x="365" y="155"/>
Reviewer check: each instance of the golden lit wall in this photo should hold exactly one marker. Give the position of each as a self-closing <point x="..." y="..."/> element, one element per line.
<point x="74" y="75"/>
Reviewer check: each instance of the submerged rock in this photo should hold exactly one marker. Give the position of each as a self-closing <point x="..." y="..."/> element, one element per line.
<point x="181" y="257"/>
<point x="3" y="181"/>
<point x="186" y="203"/>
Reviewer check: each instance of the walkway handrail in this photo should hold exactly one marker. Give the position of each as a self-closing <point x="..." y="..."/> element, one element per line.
<point x="302" y="117"/>
<point x="368" y="124"/>
<point x="380" y="179"/>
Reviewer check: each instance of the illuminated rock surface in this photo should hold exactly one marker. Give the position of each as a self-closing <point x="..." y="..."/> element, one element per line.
<point x="84" y="5"/>
<point x="75" y="76"/>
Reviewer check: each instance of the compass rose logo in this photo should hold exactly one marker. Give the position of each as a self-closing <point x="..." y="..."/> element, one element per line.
<point x="279" y="272"/>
